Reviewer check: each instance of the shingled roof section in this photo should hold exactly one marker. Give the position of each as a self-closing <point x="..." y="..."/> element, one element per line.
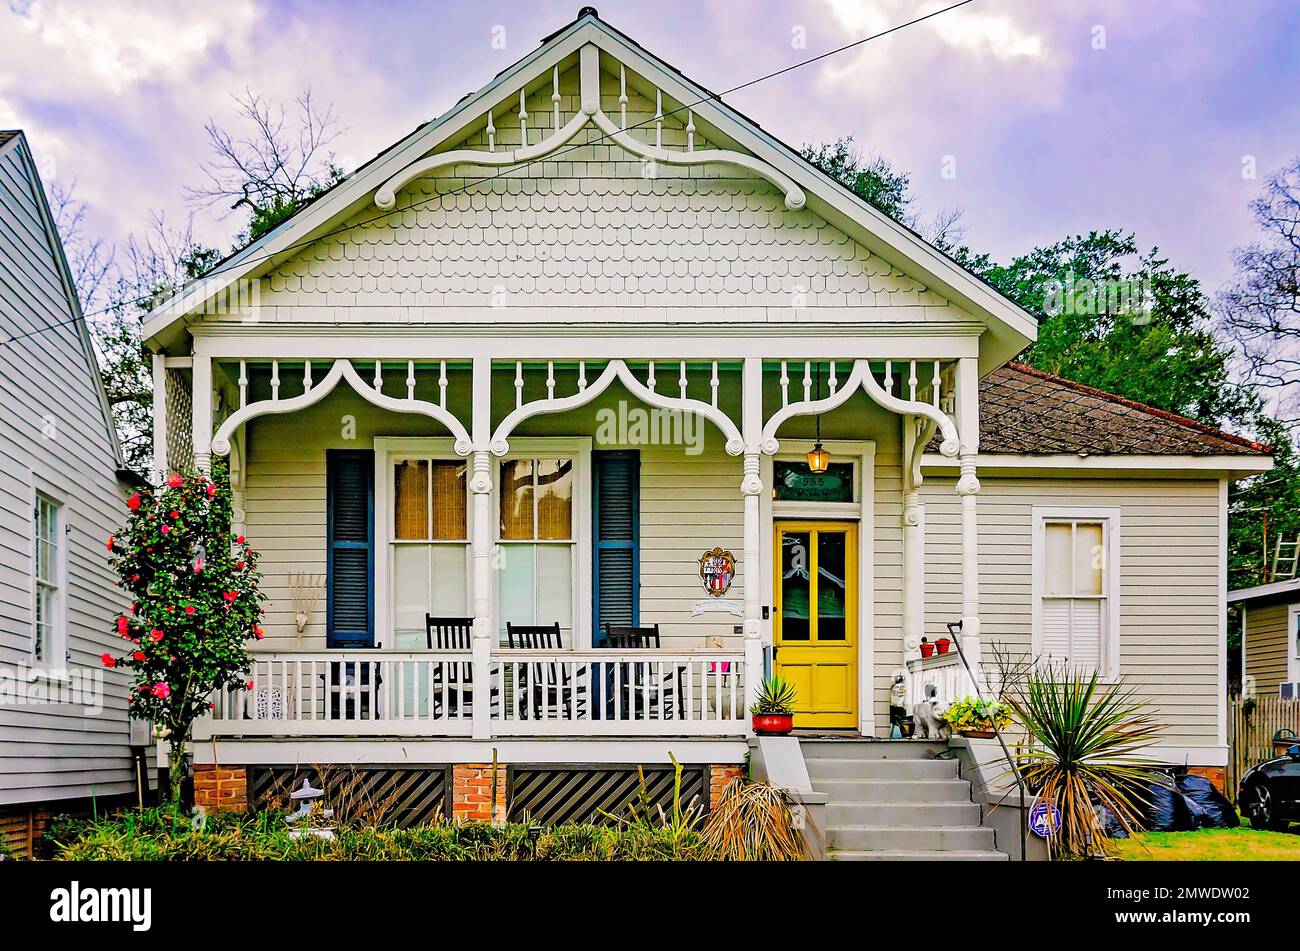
<point x="1029" y="412"/>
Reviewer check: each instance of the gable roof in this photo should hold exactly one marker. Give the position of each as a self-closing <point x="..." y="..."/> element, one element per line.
<point x="1273" y="591"/>
<point x="1009" y="326"/>
<point x="14" y="139"/>
<point x="1028" y="412"/>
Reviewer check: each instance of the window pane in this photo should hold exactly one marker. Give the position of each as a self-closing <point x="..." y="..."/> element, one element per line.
<point x="449" y="501"/>
<point x="555" y="587"/>
<point x="410" y="594"/>
<point x="795" y="605"/>
<point x="831" y="566"/>
<point x="1057" y="569"/>
<point x="517" y="498"/>
<point x="411" y="499"/>
<point x="554" y="498"/>
<point x="449" y="581"/>
<point x="1089" y="558"/>
<point x="515" y="585"/>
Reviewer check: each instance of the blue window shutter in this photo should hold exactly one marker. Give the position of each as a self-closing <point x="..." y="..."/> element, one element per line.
<point x="350" y="547"/>
<point x="616" y="525"/>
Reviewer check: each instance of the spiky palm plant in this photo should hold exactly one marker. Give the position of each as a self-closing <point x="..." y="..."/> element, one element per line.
<point x="752" y="821"/>
<point x="1083" y="751"/>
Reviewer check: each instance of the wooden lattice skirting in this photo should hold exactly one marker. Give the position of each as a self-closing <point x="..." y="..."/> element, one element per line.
<point x="403" y="796"/>
<point x="552" y="795"/>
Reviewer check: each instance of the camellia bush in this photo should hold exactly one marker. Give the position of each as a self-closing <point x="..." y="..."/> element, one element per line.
<point x="195" y="606"/>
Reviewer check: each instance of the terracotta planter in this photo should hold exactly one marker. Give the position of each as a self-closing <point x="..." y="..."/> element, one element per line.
<point x="773" y="724"/>
<point x="943" y="644"/>
<point x="927" y="650"/>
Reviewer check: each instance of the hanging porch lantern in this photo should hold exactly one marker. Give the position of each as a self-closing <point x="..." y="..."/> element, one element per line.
<point x="819" y="459"/>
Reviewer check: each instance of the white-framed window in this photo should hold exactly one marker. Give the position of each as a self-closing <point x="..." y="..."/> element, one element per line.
<point x="543" y="536"/>
<point x="1076" y="587"/>
<point x="428" y="533"/>
<point x="1293" y="643"/>
<point x="49" y="582"/>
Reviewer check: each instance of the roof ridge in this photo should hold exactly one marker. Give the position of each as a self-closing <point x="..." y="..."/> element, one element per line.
<point x="1141" y="407"/>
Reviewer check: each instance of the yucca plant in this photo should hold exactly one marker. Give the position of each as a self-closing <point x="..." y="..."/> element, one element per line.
<point x="1082" y="752"/>
<point x="752" y="822"/>
<point x="776" y="696"/>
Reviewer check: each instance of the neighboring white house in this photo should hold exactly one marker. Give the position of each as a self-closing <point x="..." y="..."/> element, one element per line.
<point x="63" y="723"/>
<point x="558" y="357"/>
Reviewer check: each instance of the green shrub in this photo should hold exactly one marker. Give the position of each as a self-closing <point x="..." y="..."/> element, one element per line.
<point x="156" y="835"/>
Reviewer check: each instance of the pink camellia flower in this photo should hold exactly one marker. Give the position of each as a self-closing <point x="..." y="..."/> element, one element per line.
<point x="122" y="625"/>
<point x="230" y="596"/>
<point x="212" y="490"/>
<point x="110" y="542"/>
<point x="173" y="514"/>
<point x="155" y="635"/>
<point x="133" y="503"/>
<point x="176" y="480"/>
<point x="161" y="690"/>
<point x="108" y="660"/>
<point x="189" y="609"/>
<point x="248" y="686"/>
<point x="239" y="540"/>
<point x="166" y="529"/>
<point x="138" y="655"/>
<point x="258" y="632"/>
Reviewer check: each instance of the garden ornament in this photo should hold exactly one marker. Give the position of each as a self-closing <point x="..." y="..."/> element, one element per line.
<point x="928" y="717"/>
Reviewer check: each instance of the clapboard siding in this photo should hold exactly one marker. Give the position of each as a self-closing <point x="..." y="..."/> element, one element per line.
<point x="53" y="426"/>
<point x="1267" y="643"/>
<point x="1169" y="581"/>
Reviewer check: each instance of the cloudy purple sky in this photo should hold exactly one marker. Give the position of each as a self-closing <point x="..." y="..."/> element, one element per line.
<point x="1048" y="134"/>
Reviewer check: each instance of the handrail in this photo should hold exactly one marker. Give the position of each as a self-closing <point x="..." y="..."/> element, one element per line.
<point x="953" y="628"/>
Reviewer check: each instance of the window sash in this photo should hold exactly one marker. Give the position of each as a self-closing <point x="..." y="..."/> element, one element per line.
<point x="47" y="577"/>
<point x="1074" y="603"/>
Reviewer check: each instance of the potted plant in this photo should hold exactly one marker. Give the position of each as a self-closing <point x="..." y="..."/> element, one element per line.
<point x="942" y="645"/>
<point x="927" y="649"/>
<point x="976" y="718"/>
<point x="773" y="713"/>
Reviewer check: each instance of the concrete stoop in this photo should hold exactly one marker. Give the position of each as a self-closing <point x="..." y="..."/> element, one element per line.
<point x="895" y="801"/>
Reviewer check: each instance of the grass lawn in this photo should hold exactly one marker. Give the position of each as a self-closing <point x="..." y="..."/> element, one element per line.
<point x="1212" y="845"/>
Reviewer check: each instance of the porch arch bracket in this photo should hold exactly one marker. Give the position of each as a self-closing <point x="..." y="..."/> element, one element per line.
<point x="589" y="96"/>
<point x="861" y="376"/>
<point x="340" y="370"/>
<point x="616" y="369"/>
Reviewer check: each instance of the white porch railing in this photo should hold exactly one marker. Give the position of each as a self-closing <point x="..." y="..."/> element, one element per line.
<point x="944" y="672"/>
<point x="619" y="693"/>
<point x="528" y="693"/>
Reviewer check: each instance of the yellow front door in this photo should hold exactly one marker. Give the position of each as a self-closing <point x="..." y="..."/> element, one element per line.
<point x="816" y="629"/>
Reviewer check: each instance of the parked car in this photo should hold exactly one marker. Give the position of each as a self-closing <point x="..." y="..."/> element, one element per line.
<point x="1270" y="792"/>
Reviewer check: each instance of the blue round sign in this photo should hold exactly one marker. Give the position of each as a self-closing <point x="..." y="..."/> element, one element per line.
<point x="1044" y="819"/>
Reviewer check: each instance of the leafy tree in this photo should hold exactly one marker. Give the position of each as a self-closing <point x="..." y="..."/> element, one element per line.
<point x="875" y="180"/>
<point x="1123" y="321"/>
<point x="196" y="604"/>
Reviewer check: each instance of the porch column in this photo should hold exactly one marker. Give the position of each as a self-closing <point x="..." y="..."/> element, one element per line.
<point x="159" y="419"/>
<point x="751" y="486"/>
<point x="913" y="545"/>
<point x="201" y="397"/>
<point x="480" y="486"/>
<point x="968" y="486"/>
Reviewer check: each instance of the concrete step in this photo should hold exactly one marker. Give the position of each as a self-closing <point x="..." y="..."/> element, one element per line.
<point x="894" y="790"/>
<point x="913" y="839"/>
<point x="902" y="814"/>
<point x="821" y="748"/>
<point x="882" y="768"/>
<point x="906" y="855"/>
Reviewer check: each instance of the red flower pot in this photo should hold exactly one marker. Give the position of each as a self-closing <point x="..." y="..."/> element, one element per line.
<point x="943" y="644"/>
<point x="927" y="650"/>
<point x="773" y="724"/>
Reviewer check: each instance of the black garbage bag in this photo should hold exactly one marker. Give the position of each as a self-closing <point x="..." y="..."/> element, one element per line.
<point x="1213" y="811"/>
<point x="1167" y="809"/>
<point x="1112" y="827"/>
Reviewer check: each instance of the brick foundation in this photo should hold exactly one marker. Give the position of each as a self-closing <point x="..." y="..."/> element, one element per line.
<point x="1215" y="774"/>
<point x="221" y="788"/>
<point x="720" y="775"/>
<point x="471" y="792"/>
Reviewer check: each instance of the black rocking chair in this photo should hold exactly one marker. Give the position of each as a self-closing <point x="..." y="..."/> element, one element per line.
<point x="552" y="686"/>
<point x="453" y="634"/>
<point x="664" y="699"/>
